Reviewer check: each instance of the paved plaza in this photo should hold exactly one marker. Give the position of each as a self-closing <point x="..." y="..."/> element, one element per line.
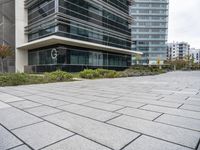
<point x="142" y="113"/>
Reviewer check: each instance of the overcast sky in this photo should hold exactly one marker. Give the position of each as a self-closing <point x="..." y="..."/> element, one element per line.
<point x="184" y="21"/>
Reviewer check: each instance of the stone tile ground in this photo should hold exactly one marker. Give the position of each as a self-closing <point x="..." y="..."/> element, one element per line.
<point x="141" y="113"/>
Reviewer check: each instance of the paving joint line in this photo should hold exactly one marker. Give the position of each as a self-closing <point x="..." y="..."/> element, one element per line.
<point x="177" y="126"/>
<point x="151" y="136"/>
<point x="60" y="127"/>
<point x="15" y="147"/>
<point x="16" y="136"/>
<point x="113" y="118"/>
<point x="120" y="109"/>
<point x="172" y="114"/>
<point x="160" y="98"/>
<point x="187" y="98"/>
<point x="142" y="106"/>
<point x="131" y="141"/>
<point x="158" y="116"/>
<point x="99" y="108"/>
<point x="198" y="145"/>
<point x="180" y="106"/>
<point x="60" y="111"/>
<point x="57" y="142"/>
<point x="97" y="121"/>
<point x="155" y="104"/>
<point x="26" y="125"/>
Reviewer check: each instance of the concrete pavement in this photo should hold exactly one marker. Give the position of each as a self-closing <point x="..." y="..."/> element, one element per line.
<point x="142" y="113"/>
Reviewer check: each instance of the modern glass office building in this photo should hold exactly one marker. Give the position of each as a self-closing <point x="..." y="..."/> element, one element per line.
<point x="73" y="35"/>
<point x="150" y="29"/>
<point x="7" y="30"/>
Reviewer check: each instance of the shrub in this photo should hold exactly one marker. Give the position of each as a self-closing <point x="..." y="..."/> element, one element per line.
<point x="89" y="74"/>
<point x="104" y="73"/>
<point x="98" y="73"/>
<point x="143" y="71"/>
<point x="59" y="76"/>
<point x="13" y="79"/>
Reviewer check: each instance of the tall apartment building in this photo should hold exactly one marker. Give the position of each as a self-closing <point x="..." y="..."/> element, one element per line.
<point x="172" y="51"/>
<point x="177" y="50"/>
<point x="150" y="29"/>
<point x="72" y="34"/>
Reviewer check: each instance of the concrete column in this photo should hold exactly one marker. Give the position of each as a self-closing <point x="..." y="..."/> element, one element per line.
<point x="21" y="56"/>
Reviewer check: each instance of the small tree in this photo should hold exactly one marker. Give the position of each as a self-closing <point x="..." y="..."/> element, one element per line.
<point x="138" y="58"/>
<point x="5" y="51"/>
<point x="190" y="60"/>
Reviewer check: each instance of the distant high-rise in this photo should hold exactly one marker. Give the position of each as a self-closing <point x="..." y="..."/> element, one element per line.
<point x="150" y="29"/>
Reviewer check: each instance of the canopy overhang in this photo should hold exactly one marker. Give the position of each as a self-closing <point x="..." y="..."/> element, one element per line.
<point x="52" y="40"/>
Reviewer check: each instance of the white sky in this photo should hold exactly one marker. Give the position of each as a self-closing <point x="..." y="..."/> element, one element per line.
<point x="184" y="22"/>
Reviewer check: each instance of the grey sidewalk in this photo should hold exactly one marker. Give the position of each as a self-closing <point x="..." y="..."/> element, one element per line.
<point x="142" y="113"/>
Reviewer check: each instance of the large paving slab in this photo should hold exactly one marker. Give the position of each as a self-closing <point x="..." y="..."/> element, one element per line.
<point x="93" y="113"/>
<point x="41" y="134"/>
<point x="153" y="102"/>
<point x="22" y="147"/>
<point x="13" y="118"/>
<point x="24" y="104"/>
<point x="159" y="112"/>
<point x="172" y="111"/>
<point x="181" y="136"/>
<point x="128" y="103"/>
<point x="149" y="143"/>
<point x="43" y="111"/>
<point x="3" y="105"/>
<point x="140" y="113"/>
<point x="190" y="107"/>
<point x="189" y="123"/>
<point x="9" y="98"/>
<point x="7" y="140"/>
<point x="71" y="144"/>
<point x="103" y="106"/>
<point x="105" y="134"/>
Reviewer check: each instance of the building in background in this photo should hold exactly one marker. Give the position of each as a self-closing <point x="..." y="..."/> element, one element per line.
<point x="150" y="29"/>
<point x="177" y="50"/>
<point x="172" y="51"/>
<point x="195" y="55"/>
<point x="71" y="35"/>
<point x="7" y="30"/>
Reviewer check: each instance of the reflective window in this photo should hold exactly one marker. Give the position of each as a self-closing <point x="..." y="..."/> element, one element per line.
<point x="76" y="57"/>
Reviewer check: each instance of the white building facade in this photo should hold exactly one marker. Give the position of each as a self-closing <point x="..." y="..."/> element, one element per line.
<point x="195" y="55"/>
<point x="177" y="50"/>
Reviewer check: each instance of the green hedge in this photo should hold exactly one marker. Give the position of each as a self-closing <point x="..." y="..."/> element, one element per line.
<point x="59" y="76"/>
<point x="13" y="79"/>
<point x="98" y="73"/>
<point x="134" y="71"/>
<point x="143" y="71"/>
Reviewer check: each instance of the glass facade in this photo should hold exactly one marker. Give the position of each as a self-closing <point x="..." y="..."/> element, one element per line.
<point x="75" y="56"/>
<point x="84" y="20"/>
<point x="7" y="30"/>
<point x="104" y="22"/>
<point x="150" y="29"/>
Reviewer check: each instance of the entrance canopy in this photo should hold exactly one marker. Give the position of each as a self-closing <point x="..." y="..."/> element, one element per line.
<point x="52" y="40"/>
